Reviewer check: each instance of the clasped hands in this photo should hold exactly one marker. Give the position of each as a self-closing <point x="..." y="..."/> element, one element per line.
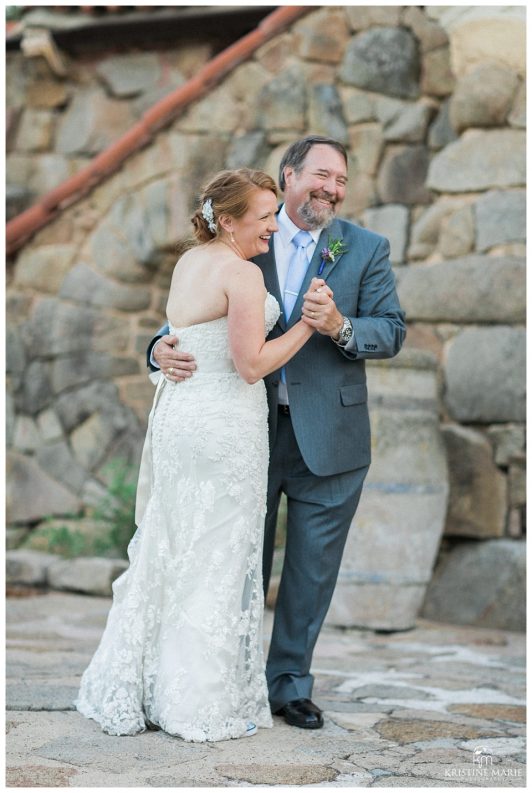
<point x="319" y="311"/>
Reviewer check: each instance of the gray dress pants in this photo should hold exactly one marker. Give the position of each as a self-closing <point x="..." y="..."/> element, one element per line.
<point x="320" y="511"/>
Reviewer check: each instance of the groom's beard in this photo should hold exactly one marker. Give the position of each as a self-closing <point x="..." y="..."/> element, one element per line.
<point x="317" y="217"/>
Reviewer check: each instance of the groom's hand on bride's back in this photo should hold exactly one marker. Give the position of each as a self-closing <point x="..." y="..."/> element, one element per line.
<point x="174" y="364"/>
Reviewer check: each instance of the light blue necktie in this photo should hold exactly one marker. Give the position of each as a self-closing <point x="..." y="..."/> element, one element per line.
<point x="297" y="268"/>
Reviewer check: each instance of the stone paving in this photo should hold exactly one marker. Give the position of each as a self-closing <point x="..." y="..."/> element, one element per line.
<point x="436" y="706"/>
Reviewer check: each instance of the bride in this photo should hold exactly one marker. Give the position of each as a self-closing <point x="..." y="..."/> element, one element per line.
<point x="182" y="648"/>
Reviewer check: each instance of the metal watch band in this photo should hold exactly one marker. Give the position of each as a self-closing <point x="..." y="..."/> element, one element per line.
<point x="346" y="331"/>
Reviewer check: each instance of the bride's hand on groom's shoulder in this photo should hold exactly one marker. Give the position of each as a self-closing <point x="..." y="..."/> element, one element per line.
<point x="175" y="364"/>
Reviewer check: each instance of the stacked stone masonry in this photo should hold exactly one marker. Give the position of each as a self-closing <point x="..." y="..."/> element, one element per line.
<point x="430" y="102"/>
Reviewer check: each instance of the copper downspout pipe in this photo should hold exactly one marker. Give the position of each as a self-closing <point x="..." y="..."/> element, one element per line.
<point x="21" y="227"/>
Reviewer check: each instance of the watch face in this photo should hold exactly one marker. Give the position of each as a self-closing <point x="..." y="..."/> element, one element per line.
<point x="346" y="332"/>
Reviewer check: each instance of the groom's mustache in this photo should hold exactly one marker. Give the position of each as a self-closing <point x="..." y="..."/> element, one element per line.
<point x="326" y="196"/>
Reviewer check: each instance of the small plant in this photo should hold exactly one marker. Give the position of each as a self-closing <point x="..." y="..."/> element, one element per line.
<point x="118" y="508"/>
<point x="64" y="541"/>
<point x="69" y="539"/>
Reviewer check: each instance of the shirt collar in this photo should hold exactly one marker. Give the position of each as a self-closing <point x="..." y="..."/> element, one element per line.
<point x="288" y="229"/>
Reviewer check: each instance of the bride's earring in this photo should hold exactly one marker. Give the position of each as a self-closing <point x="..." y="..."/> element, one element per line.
<point x="233" y="244"/>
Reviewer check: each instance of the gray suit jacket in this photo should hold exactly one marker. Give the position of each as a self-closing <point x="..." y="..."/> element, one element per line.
<point x="326" y="384"/>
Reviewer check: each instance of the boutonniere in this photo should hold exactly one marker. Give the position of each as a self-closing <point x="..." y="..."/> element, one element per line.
<point x="329" y="254"/>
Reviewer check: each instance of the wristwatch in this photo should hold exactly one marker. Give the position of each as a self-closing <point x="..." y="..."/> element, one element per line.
<point x="346" y="331"/>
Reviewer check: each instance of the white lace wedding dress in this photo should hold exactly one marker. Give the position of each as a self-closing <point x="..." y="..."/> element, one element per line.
<point x="182" y="647"/>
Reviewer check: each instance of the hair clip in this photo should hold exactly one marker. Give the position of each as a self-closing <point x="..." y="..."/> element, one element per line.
<point x="208" y="214"/>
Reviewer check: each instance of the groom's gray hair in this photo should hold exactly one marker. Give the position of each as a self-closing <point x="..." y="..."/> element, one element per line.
<point x="295" y="154"/>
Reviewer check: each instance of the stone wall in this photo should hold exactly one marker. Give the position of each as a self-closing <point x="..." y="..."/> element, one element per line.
<point x="55" y="126"/>
<point x="431" y="105"/>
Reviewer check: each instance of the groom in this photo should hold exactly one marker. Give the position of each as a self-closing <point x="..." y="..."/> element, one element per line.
<point x="319" y="423"/>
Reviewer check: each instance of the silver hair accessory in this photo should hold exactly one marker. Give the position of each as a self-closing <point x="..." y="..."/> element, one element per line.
<point x="208" y="214"/>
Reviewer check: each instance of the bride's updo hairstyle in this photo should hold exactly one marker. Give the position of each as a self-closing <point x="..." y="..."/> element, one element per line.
<point x="227" y="193"/>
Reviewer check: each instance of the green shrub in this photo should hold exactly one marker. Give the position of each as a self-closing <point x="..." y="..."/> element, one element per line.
<point x="118" y="508"/>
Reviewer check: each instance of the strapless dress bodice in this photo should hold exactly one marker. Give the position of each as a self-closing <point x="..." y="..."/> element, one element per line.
<point x="208" y="341"/>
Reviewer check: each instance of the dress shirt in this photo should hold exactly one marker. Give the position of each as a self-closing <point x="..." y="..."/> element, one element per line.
<point x="283" y="249"/>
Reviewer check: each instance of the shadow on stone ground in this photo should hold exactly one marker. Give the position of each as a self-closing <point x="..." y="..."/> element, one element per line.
<point x="437" y="706"/>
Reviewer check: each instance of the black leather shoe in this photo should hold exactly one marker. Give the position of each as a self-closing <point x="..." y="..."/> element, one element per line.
<point x="151" y="726"/>
<point x="301" y="713"/>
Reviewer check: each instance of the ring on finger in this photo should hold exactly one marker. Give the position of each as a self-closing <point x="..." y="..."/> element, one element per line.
<point x="171" y="370"/>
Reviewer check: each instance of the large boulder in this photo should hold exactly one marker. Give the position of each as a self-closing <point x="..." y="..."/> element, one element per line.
<point x="425" y="231"/>
<point x="25" y="566"/>
<point x="56" y="327"/>
<point x="323" y="35"/>
<point x="26" y="436"/>
<point x="402" y="175"/>
<point x="47" y="93"/>
<point x="485" y="375"/>
<point x="428" y="32"/>
<point x="32" y="494"/>
<point x="248" y="150"/>
<point x="129" y="75"/>
<point x="403" y="121"/>
<point x="517" y="116"/>
<point x="385" y="60"/>
<point x="130" y="242"/>
<point x="35" y="130"/>
<point x="480" y="583"/>
<point x="369" y="16"/>
<point x="10" y="419"/>
<point x="500" y="218"/>
<point x="480" y="160"/>
<point x="90" y="575"/>
<point x="471" y="289"/>
<point x="85" y="285"/>
<point x="441" y="132"/>
<point x="83" y="367"/>
<point x="325" y="112"/>
<point x="112" y="254"/>
<point x="357" y="105"/>
<point x="508" y="441"/>
<point x="483" y="97"/>
<point x="457" y="235"/>
<point x="481" y="34"/>
<point x="282" y="101"/>
<point x="392" y="222"/>
<point x="91" y="122"/>
<point x="91" y="440"/>
<point x="77" y="405"/>
<point x="478" y="491"/>
<point x="57" y="460"/>
<point x="366" y="144"/>
<point x="36" y="391"/>
<point x="437" y="74"/>
<point x="43" y="268"/>
<point x="395" y="535"/>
